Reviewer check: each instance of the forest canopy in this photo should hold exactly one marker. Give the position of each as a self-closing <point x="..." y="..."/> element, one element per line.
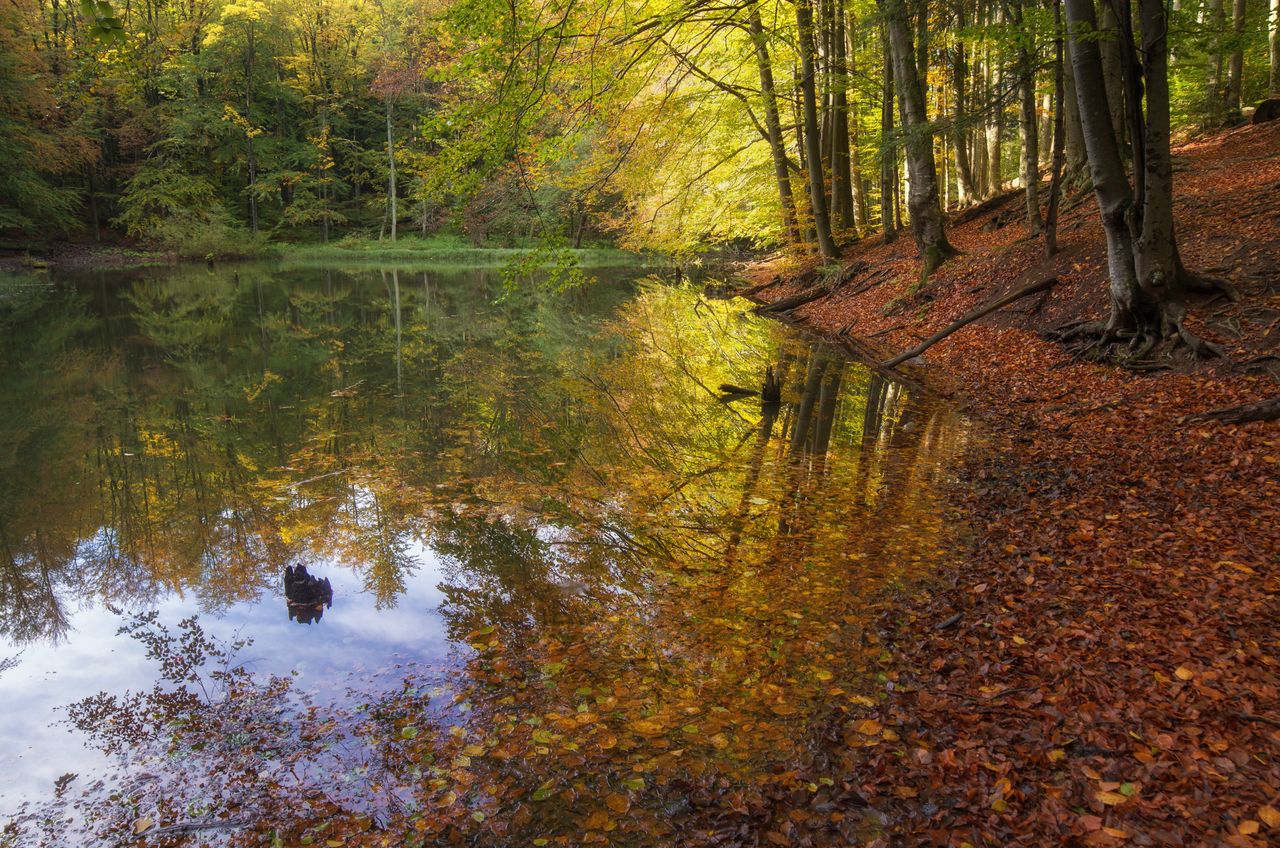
<point x="671" y="125"/>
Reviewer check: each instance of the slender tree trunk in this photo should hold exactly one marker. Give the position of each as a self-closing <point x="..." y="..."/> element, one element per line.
<point x="1110" y="184"/>
<point x="859" y="181"/>
<point x="1076" y="163"/>
<point x="1147" y="278"/>
<point x="1059" y="155"/>
<point x="248" y="119"/>
<point x="1273" y="36"/>
<point x="1030" y="129"/>
<point x="391" y="173"/>
<point x="1113" y="72"/>
<point x="995" y="165"/>
<point x="995" y="124"/>
<point x="922" y="201"/>
<point x="1215" y="96"/>
<point x="960" y="123"/>
<point x="1158" y="266"/>
<point x="1235" y="68"/>
<point x="888" y="148"/>
<point x="841" y="168"/>
<point x="817" y="184"/>
<point x="773" y="126"/>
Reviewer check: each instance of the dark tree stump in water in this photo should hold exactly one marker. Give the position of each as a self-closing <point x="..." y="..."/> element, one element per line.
<point x="307" y="596"/>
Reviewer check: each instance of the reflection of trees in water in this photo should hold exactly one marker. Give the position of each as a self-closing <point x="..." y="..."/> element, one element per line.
<point x="152" y="432"/>
<point x="660" y="591"/>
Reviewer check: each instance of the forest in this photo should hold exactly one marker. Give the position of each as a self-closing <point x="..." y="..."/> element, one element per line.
<point x="713" y="423"/>
<point x="211" y="127"/>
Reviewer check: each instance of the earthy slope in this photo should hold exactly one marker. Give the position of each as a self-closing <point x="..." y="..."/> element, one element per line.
<point x="1114" y="673"/>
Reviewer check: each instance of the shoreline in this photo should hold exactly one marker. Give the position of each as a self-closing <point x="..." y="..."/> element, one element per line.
<point x="1099" y="667"/>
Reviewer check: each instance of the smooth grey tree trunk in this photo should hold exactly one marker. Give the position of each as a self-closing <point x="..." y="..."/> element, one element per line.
<point x="960" y="125"/>
<point x="1235" y="67"/>
<point x="1214" y="94"/>
<point x="250" y="155"/>
<point x="773" y="126"/>
<point x="922" y="198"/>
<point x="1076" y="161"/>
<point x="1113" y="72"/>
<point x="1059" y="155"/>
<point x="813" y="143"/>
<point x="888" y="149"/>
<point x="1273" y="36"/>
<point x="841" y="169"/>
<point x="391" y="173"/>
<point x="1147" y="279"/>
<point x="1030" y="129"/>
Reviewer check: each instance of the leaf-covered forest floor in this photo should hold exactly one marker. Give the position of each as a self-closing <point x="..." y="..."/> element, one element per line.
<point x="1113" y="676"/>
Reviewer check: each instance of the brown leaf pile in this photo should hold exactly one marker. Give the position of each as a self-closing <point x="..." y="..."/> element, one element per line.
<point x="1113" y="677"/>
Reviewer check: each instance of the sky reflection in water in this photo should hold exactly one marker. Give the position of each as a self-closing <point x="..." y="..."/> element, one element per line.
<point x="559" y="470"/>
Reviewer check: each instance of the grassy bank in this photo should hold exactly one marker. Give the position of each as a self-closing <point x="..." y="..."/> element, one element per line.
<point x="440" y="251"/>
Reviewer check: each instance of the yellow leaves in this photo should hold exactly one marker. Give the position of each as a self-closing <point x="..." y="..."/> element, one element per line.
<point x="823" y="674"/>
<point x="1111" y="799"/>
<point x="647" y="727"/>
<point x="617" y="802"/>
<point x="142" y="825"/>
<point x="1248" y="827"/>
<point x="1057" y="755"/>
<point x="1183" y="673"/>
<point x="599" y="820"/>
<point x="1270" y="816"/>
<point x="868" y="727"/>
<point x="231" y="116"/>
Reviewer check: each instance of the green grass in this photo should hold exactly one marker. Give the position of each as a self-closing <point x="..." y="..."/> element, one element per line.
<point x="435" y="251"/>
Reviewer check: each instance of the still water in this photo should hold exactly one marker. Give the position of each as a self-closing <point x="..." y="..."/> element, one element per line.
<point x="388" y="557"/>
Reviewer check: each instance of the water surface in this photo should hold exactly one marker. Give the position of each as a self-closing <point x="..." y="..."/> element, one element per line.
<point x="573" y="584"/>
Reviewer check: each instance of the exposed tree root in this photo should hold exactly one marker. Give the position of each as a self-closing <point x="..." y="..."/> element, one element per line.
<point x="1206" y="284"/>
<point x="1263" y="410"/>
<point x="1107" y="342"/>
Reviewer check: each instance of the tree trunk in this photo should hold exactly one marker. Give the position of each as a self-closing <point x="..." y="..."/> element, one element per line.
<point x="1214" y="94"/>
<point x="391" y="173"/>
<point x="859" y="182"/>
<point x="1071" y="116"/>
<point x="1113" y="72"/>
<point x="841" y="170"/>
<point x="1147" y="279"/>
<point x="813" y="144"/>
<point x="252" y="159"/>
<point x="888" y="149"/>
<point x="773" y="126"/>
<point x="922" y="199"/>
<point x="1235" y="68"/>
<point x="960" y="124"/>
<point x="1030" y="129"/>
<point x="1273" y="36"/>
<point x="1059" y="135"/>
<point x="995" y="125"/>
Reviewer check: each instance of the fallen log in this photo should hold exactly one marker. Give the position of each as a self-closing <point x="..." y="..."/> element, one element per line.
<point x="1263" y="410"/>
<point x="754" y="290"/>
<point x="969" y="318"/>
<point x="731" y="389"/>
<point x="984" y="207"/>
<point x="799" y="299"/>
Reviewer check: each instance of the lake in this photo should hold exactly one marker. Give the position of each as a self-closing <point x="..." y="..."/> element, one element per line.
<point x="362" y="556"/>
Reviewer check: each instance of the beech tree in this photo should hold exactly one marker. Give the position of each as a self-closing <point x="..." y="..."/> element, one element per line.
<point x="922" y="197"/>
<point x="1148" y="282"/>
